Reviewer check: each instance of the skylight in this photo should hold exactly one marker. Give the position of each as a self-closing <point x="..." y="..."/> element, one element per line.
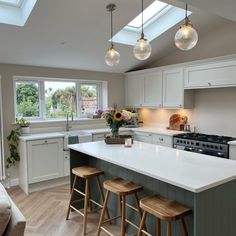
<point x="155" y="8"/>
<point x="158" y="18"/>
<point x="15" y="3"/>
<point x="15" y="12"/>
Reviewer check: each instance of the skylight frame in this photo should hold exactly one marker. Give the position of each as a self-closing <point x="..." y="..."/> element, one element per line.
<point x="155" y="27"/>
<point x="11" y="3"/>
<point x="16" y="14"/>
<point x="145" y="12"/>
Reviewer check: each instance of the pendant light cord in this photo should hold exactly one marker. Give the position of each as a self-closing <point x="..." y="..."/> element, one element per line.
<point x="142" y="20"/>
<point x="111" y="29"/>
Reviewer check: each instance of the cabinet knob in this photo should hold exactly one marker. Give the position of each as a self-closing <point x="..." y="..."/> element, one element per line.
<point x="161" y="139"/>
<point x="209" y="83"/>
<point x="45" y="141"/>
<point x="66" y="157"/>
<point x="180" y="105"/>
<point x="159" y="105"/>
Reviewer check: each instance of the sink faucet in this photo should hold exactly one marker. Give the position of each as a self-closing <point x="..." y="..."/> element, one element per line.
<point x="67" y="120"/>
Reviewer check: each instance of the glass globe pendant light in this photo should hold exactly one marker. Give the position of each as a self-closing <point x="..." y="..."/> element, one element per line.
<point x="112" y="57"/>
<point x="142" y="49"/>
<point x="186" y="37"/>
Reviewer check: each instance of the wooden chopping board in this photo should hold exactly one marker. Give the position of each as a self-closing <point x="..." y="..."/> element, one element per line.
<point x="177" y="122"/>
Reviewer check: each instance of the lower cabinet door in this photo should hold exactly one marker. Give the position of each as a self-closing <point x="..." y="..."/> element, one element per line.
<point x="45" y="159"/>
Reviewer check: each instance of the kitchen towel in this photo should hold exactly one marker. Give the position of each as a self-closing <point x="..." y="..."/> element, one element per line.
<point x="73" y="139"/>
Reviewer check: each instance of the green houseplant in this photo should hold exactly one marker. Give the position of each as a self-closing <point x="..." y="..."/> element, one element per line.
<point x="12" y="140"/>
<point x="24" y="125"/>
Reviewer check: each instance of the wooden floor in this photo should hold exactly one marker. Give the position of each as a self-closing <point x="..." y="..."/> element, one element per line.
<point x="45" y="213"/>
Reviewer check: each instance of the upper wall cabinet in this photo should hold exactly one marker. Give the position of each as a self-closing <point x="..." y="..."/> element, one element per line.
<point x="158" y="89"/>
<point x="153" y="89"/>
<point x="134" y="92"/>
<point x="173" y="90"/>
<point x="144" y="90"/>
<point x="216" y="74"/>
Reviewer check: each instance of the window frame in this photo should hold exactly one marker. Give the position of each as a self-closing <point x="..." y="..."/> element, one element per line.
<point x="42" y="105"/>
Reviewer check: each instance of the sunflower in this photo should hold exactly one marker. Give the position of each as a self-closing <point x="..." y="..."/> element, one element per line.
<point x="118" y="116"/>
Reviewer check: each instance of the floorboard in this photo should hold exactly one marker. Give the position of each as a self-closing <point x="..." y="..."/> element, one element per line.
<point x="45" y="213"/>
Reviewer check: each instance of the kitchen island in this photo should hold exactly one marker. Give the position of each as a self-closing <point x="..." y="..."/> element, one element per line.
<point x="204" y="183"/>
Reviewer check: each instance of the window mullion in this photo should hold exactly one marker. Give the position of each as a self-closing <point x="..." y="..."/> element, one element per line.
<point x="42" y="100"/>
<point x="78" y="95"/>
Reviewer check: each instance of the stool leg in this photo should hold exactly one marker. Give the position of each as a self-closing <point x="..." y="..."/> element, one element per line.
<point x="139" y="209"/>
<point x="89" y="197"/>
<point x="86" y="200"/>
<point x="123" y="216"/>
<point x="71" y="197"/>
<point x="103" y="213"/>
<point x="102" y="195"/>
<point x="168" y="228"/>
<point x="142" y="223"/>
<point x="184" y="228"/>
<point x="158" y="227"/>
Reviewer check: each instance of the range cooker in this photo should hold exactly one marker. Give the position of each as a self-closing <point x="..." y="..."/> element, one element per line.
<point x="202" y="143"/>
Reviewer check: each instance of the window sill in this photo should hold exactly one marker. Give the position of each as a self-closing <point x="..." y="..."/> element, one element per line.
<point x="80" y="120"/>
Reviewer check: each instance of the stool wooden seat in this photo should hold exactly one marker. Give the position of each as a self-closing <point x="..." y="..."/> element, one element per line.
<point x="85" y="172"/>
<point x="163" y="209"/>
<point x="122" y="188"/>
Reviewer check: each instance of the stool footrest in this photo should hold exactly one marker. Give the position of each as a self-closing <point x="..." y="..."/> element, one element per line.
<point x="145" y="232"/>
<point x="78" y="211"/>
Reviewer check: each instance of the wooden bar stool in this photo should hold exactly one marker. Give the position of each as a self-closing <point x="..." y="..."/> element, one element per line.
<point x="122" y="188"/>
<point x="163" y="209"/>
<point x="85" y="172"/>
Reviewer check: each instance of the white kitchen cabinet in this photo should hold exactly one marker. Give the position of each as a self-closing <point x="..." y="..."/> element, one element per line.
<point x="157" y="89"/>
<point x="163" y="140"/>
<point x="232" y="151"/>
<point x="210" y="75"/>
<point x="134" y="91"/>
<point x="144" y="90"/>
<point x="173" y="91"/>
<point x="143" y="137"/>
<point x="45" y="159"/>
<point x="42" y="164"/>
<point x="153" y="89"/>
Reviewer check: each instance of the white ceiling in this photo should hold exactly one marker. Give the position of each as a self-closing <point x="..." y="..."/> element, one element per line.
<point x="75" y="33"/>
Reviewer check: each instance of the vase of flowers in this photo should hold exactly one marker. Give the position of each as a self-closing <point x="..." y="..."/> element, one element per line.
<point x="116" y="119"/>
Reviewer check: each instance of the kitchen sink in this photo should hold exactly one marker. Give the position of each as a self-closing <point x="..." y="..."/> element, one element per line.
<point x="76" y="136"/>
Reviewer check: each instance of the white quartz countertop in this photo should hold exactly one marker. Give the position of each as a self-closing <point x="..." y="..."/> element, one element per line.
<point x="59" y="134"/>
<point x="191" y="171"/>
<point x="232" y="143"/>
<point x="31" y="137"/>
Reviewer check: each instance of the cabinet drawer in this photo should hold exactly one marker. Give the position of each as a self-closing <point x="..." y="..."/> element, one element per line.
<point x="163" y="140"/>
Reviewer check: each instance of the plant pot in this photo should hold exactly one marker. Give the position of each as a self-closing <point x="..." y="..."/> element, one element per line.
<point x="25" y="130"/>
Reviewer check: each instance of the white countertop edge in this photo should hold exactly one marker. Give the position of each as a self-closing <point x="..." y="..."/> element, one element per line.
<point x="194" y="190"/>
<point x="58" y="134"/>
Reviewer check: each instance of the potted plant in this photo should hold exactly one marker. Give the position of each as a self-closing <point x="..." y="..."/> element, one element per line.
<point x="24" y="125"/>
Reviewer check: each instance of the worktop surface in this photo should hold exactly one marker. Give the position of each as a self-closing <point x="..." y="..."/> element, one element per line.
<point x="191" y="171"/>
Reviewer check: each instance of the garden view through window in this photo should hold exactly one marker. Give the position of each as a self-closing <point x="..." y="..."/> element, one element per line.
<point x="58" y="99"/>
